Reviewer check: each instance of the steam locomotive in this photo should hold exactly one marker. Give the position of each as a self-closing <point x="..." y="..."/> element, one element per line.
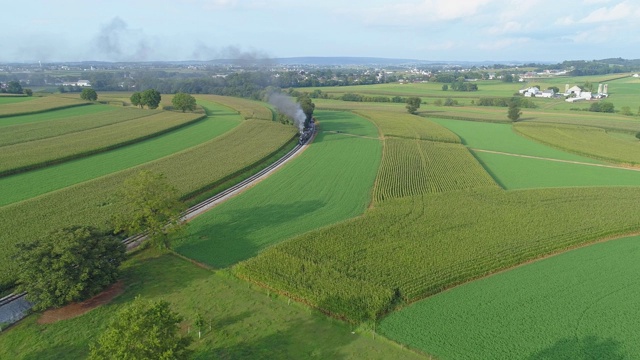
<point x="307" y="132"/>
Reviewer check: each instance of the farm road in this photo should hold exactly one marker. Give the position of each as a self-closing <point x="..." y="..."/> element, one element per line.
<point x="556" y="160"/>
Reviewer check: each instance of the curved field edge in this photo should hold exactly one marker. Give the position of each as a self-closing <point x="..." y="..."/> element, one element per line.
<point x="39" y="105"/>
<point x="20" y="187"/>
<point x="246" y="321"/>
<point x="37" y="130"/>
<point x="433" y="242"/>
<point x="582" y="301"/>
<point x="329" y="182"/>
<point x="41" y="153"/>
<point x="93" y="202"/>
<point x="585" y="141"/>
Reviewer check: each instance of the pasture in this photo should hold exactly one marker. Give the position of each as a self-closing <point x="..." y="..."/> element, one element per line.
<point x="576" y="305"/>
<point x="246" y="322"/>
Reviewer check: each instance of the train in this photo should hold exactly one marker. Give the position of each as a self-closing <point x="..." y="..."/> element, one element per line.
<point x="307" y="132"/>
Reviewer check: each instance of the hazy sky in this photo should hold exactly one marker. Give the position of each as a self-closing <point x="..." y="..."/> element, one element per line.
<point x="138" y="30"/>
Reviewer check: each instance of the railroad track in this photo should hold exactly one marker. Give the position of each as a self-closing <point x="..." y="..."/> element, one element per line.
<point x="135" y="240"/>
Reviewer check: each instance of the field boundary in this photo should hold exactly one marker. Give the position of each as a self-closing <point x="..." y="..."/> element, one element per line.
<point x="68" y="158"/>
<point x="45" y="110"/>
<point x="631" y="168"/>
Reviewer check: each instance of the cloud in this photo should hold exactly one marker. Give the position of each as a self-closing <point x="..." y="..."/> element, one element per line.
<point x="604" y="14"/>
<point x="424" y="11"/>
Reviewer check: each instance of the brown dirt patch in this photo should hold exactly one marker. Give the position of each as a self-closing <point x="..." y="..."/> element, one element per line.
<point x="77" y="309"/>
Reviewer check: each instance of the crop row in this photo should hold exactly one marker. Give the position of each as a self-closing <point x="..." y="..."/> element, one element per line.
<point x="248" y="109"/>
<point x="39" y="153"/>
<point x="93" y="202"/>
<point x="414" y="167"/>
<point x="417" y="246"/>
<point x="587" y="141"/>
<point x="403" y="125"/>
<point x="38" y="105"/>
<point x="14" y="134"/>
<point x="330" y="181"/>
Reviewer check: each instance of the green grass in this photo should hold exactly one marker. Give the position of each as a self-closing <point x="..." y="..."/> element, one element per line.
<point x="93" y="202"/>
<point x="14" y="99"/>
<point x="39" y="104"/>
<point x="40" y="153"/>
<point x="14" y="134"/>
<point x="500" y="137"/>
<point x="523" y="173"/>
<point x="37" y="182"/>
<point x="409" y="248"/>
<point x="247" y="323"/>
<point x="59" y="114"/>
<point x="587" y="141"/>
<point x="331" y="181"/>
<point x="582" y="304"/>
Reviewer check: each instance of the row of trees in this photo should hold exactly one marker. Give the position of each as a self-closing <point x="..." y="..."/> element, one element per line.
<point x="14" y="87"/>
<point x="149" y="98"/>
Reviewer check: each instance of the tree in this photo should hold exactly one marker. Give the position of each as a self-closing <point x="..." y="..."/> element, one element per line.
<point x="14" y="87"/>
<point x="89" y="95"/>
<point x="307" y="107"/>
<point x="182" y="101"/>
<point x="71" y="264"/>
<point x="151" y="204"/>
<point x="445" y="87"/>
<point x="199" y="323"/>
<point x="151" y="98"/>
<point x="143" y="330"/>
<point x="514" y="111"/>
<point x="413" y="104"/>
<point x="136" y="99"/>
<point x="28" y="92"/>
<point x="638" y="135"/>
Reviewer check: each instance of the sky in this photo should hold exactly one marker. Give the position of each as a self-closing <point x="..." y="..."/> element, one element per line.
<point x="438" y="30"/>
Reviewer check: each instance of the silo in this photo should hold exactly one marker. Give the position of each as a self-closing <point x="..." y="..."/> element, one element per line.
<point x="606" y="89"/>
<point x="599" y="88"/>
<point x="566" y="88"/>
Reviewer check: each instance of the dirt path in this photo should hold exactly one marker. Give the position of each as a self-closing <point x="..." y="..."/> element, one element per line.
<point x="77" y="309"/>
<point x="557" y="160"/>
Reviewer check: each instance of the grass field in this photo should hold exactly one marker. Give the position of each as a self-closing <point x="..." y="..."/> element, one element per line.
<point x="21" y="186"/>
<point x="513" y="172"/>
<point x="71" y="113"/>
<point x="582" y="304"/>
<point x="433" y="242"/>
<point x="39" y="104"/>
<point x="246" y="323"/>
<point x="39" y="153"/>
<point x="14" y="99"/>
<point x="586" y="141"/>
<point x="93" y="202"/>
<point x="248" y="109"/>
<point x="501" y="137"/>
<point x="56" y="126"/>
<point x="330" y="182"/>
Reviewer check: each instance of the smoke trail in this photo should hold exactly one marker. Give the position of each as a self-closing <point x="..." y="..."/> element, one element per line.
<point x="286" y="105"/>
<point x="234" y="54"/>
<point x="117" y="41"/>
